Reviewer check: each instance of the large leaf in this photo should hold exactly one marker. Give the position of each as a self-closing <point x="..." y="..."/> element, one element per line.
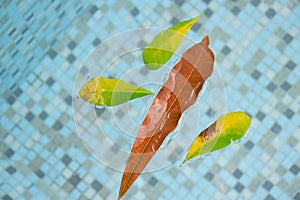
<point x="178" y="93"/>
<point x="228" y="128"/>
<point x="109" y="92"/>
<point x="164" y="45"/>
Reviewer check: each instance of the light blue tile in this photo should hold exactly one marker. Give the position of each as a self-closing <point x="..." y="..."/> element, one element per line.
<point x="45" y="167"/>
<point x="82" y="186"/>
<point x="73" y="165"/>
<point x="59" y="166"/>
<point x="75" y="194"/>
<point x="59" y="152"/>
<point x="44" y="153"/>
<point x="60" y="180"/>
<point x="288" y="177"/>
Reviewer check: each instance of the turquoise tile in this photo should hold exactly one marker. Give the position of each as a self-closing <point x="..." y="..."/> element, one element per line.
<point x="59" y="166"/>
<point x="60" y="180"/>
<point x="288" y="177"/>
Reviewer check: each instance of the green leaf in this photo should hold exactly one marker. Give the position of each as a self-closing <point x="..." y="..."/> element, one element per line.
<point x="164" y="45"/>
<point x="102" y="91"/>
<point x="228" y="128"/>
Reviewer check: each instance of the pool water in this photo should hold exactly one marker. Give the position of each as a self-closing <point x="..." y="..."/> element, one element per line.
<point x="45" y="47"/>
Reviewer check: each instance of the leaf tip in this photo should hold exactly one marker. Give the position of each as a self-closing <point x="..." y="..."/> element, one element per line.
<point x="196" y="18"/>
<point x="144" y="92"/>
<point x="182" y="163"/>
<point x="120" y="195"/>
<point x="122" y="192"/>
<point x="202" y="13"/>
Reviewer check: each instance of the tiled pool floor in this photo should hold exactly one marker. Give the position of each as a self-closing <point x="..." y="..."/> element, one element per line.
<point x="44" y="43"/>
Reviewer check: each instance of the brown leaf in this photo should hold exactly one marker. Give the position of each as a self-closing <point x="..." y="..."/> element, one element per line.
<point x="178" y="93"/>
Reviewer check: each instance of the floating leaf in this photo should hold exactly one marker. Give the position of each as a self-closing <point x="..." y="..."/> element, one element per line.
<point x="228" y="128"/>
<point x="164" y="45"/>
<point x="102" y="91"/>
<point x="178" y="93"/>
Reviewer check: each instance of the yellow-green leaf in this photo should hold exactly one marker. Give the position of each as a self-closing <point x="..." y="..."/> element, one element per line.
<point x="164" y="45"/>
<point x="228" y="128"/>
<point x="102" y="91"/>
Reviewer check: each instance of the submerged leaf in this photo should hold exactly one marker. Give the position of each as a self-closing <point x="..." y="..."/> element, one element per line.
<point x="177" y="94"/>
<point x="102" y="91"/>
<point x="228" y="128"/>
<point x="164" y="45"/>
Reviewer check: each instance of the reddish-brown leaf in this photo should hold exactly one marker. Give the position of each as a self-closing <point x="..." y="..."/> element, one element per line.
<point x="178" y="93"/>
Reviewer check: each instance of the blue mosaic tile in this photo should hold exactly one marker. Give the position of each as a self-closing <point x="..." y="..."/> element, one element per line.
<point x="297" y="196"/>
<point x="6" y="197"/>
<point x="10" y="170"/>
<point x="96" y="185"/>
